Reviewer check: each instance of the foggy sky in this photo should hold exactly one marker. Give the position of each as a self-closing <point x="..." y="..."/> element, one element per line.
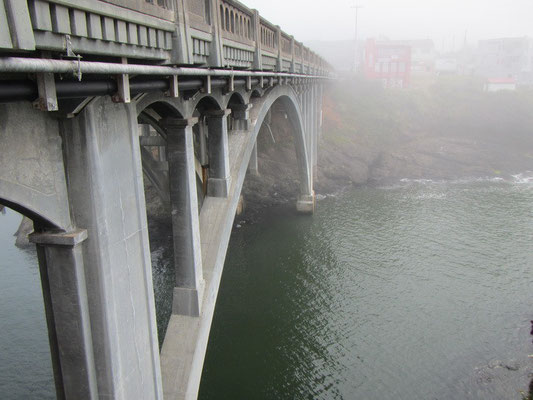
<point x="444" y="21"/>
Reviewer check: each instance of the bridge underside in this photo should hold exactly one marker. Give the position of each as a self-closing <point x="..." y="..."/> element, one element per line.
<point x="79" y="176"/>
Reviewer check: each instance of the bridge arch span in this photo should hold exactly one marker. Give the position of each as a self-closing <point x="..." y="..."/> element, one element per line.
<point x="288" y="98"/>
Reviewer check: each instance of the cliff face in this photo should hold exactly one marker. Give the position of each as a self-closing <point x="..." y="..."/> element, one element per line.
<point x="446" y="129"/>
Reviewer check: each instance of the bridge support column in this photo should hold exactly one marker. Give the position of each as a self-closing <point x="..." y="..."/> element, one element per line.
<point x="106" y="197"/>
<point x="241" y="115"/>
<point x="67" y="311"/>
<point x="306" y="203"/>
<point x="188" y="290"/>
<point x="219" y="174"/>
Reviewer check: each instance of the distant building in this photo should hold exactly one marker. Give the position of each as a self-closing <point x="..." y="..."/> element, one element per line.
<point x="496" y="85"/>
<point x="423" y="55"/>
<point x="389" y="62"/>
<point x="506" y="58"/>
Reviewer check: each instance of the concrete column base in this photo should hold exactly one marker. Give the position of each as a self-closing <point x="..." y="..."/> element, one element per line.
<point x="241" y="124"/>
<point x="306" y="203"/>
<point x="188" y="301"/>
<point x="218" y="187"/>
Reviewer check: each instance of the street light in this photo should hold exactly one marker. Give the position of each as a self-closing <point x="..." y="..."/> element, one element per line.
<point x="356" y="7"/>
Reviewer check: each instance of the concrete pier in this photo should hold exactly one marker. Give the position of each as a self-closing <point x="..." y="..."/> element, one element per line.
<point x="184" y="213"/>
<point x="219" y="174"/>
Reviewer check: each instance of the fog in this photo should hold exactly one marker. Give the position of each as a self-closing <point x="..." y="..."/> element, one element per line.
<point x="446" y="22"/>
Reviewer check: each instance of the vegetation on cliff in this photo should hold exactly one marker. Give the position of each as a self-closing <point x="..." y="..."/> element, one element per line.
<point x="444" y="128"/>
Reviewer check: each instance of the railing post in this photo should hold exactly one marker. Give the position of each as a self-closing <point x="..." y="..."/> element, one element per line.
<point x="280" y="52"/>
<point x="293" y="67"/>
<point x="258" y="61"/>
<point x="189" y="284"/>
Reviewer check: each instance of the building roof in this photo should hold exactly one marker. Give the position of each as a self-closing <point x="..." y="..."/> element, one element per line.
<point x="501" y="80"/>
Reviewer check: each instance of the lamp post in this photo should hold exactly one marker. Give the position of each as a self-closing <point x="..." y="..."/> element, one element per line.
<point x="354" y="66"/>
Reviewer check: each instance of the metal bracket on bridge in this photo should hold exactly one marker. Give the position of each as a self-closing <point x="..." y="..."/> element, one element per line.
<point x="262" y="82"/>
<point x="46" y="86"/>
<point x="271" y="81"/>
<point x="123" y="87"/>
<point x="173" y="88"/>
<point x="231" y="84"/>
<point x="207" y="86"/>
<point x="248" y="83"/>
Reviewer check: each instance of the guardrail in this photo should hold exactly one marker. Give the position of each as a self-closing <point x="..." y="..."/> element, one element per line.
<point x="207" y="33"/>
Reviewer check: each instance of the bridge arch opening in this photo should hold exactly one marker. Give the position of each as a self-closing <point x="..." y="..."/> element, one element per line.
<point x="153" y="146"/>
<point x="274" y="177"/>
<point x="210" y="146"/>
<point x="236" y="104"/>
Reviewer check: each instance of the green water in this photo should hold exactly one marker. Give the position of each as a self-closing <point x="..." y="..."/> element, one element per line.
<point x="25" y="365"/>
<point x="421" y="290"/>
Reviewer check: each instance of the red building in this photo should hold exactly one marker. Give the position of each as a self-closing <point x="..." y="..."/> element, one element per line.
<point x="388" y="61"/>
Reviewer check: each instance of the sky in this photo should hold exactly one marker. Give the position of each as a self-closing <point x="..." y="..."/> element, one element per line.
<point x="447" y="22"/>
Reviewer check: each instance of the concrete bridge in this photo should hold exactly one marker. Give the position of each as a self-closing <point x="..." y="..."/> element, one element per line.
<point x="95" y="95"/>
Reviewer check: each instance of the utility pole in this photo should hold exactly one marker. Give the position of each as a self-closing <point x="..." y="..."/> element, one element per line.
<point x="356" y="7"/>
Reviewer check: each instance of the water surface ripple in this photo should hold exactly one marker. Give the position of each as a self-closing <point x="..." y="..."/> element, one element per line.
<point x="421" y="290"/>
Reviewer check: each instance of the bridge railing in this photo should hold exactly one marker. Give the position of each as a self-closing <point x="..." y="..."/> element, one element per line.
<point x="209" y="33"/>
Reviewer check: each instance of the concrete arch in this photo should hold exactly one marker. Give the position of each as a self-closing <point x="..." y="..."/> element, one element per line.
<point x="289" y="99"/>
<point x="32" y="178"/>
<point x="193" y="103"/>
<point x="232" y="96"/>
<point x="40" y="221"/>
<point x="256" y="93"/>
<point x="150" y="98"/>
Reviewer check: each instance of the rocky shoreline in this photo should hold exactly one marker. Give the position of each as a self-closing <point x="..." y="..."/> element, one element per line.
<point x="370" y="136"/>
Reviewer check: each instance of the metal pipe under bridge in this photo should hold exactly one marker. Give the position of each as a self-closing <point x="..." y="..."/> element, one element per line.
<point x="96" y="97"/>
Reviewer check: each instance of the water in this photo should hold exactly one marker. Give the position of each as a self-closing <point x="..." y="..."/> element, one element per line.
<point x="420" y="290"/>
<point x="25" y="365"/>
